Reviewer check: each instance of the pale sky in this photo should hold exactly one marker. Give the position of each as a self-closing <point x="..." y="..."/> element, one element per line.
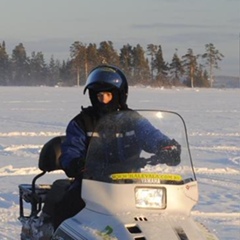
<point x="51" y="26"/>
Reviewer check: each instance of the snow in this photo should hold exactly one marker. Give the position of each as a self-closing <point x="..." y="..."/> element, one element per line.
<point x="30" y="116"/>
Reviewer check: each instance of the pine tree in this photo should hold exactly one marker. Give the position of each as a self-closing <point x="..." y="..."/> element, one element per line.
<point x="141" y="71"/>
<point x="201" y="77"/>
<point x="190" y="65"/>
<point x="4" y="65"/>
<point x="65" y="74"/>
<point x="107" y="53"/>
<point x="152" y="52"/>
<point x="93" y="58"/>
<point x="161" y="68"/>
<point x="37" y="69"/>
<point x="78" y="54"/>
<point x="20" y="65"/>
<point x="126" y="61"/>
<point x="176" y="70"/>
<point x="212" y="57"/>
<point x="53" y="72"/>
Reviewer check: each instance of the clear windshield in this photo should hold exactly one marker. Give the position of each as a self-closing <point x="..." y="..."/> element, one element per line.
<point x="125" y="148"/>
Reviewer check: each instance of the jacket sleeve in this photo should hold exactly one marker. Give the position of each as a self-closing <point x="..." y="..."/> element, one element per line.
<point x="150" y="138"/>
<point x="75" y="145"/>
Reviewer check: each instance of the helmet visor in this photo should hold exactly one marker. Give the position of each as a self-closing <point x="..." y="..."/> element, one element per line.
<point x="105" y="77"/>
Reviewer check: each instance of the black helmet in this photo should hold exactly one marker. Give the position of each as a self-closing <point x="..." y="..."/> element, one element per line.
<point x="107" y="77"/>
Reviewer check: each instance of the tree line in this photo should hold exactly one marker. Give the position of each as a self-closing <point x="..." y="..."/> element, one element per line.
<point x="141" y="66"/>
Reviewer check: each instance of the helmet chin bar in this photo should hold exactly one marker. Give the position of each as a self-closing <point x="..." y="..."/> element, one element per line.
<point x="105" y="97"/>
<point x="103" y="108"/>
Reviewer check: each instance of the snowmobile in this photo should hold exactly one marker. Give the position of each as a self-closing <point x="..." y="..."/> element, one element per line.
<point x="144" y="199"/>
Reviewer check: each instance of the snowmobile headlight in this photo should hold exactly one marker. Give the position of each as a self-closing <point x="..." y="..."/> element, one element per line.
<point x="150" y="197"/>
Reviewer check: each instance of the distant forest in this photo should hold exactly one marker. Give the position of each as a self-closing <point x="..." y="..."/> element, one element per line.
<point x="141" y="66"/>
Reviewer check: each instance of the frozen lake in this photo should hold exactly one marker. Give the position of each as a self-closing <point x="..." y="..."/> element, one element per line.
<point x="30" y="116"/>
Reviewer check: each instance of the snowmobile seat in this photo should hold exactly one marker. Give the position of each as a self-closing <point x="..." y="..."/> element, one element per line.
<point x="50" y="153"/>
<point x="48" y="161"/>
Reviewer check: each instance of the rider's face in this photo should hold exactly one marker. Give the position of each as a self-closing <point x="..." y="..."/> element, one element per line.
<point x="104" y="97"/>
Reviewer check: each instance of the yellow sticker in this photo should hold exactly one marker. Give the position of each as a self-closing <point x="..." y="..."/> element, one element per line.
<point x="124" y="176"/>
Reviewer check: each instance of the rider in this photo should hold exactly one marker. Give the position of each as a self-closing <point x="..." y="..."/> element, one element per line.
<point x="108" y="90"/>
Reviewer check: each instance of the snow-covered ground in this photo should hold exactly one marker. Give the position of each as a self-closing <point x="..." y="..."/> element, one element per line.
<point x="30" y="116"/>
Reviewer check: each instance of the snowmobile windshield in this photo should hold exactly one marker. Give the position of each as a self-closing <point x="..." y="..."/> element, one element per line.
<point x="132" y="146"/>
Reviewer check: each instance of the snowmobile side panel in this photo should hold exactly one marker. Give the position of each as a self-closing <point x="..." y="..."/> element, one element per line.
<point x="131" y="225"/>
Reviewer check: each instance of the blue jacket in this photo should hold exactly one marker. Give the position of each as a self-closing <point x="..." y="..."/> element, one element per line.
<point x="133" y="133"/>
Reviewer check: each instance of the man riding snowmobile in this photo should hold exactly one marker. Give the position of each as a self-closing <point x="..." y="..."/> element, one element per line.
<point x="108" y="91"/>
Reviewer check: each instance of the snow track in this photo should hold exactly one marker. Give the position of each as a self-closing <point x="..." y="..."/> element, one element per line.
<point x="30" y="134"/>
<point x="31" y="116"/>
<point x="10" y="231"/>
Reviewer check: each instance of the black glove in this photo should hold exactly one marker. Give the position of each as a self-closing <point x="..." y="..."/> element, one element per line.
<point x="169" y="153"/>
<point x="76" y="167"/>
